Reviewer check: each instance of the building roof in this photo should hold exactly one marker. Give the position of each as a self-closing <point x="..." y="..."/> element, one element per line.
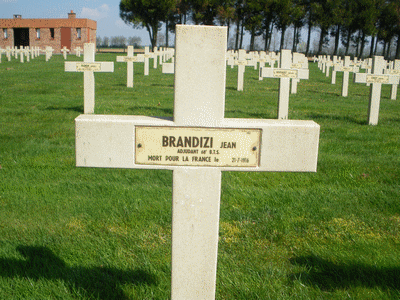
<point x="71" y="21"/>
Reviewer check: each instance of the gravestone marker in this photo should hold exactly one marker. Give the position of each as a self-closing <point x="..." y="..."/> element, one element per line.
<point x="21" y="54"/>
<point x="376" y="79"/>
<point x="394" y="71"/>
<point x="64" y="51"/>
<point x="88" y="67"/>
<point x="168" y="68"/>
<point x="147" y="55"/>
<point x="49" y="53"/>
<point x="8" y="53"/>
<point x="78" y="51"/>
<point x="241" y="62"/>
<point x="194" y="144"/>
<point x="129" y="59"/>
<point x="155" y="57"/>
<point x="284" y="73"/>
<point x="346" y="68"/>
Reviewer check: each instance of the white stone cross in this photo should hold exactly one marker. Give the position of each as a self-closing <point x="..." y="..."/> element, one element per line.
<point x="197" y="144"/>
<point x="64" y="50"/>
<point x="129" y="59"/>
<point x="299" y="62"/>
<point x="147" y="55"/>
<point x="49" y="53"/>
<point x="88" y="67"/>
<point x="27" y="53"/>
<point x="155" y="57"/>
<point x="8" y="53"/>
<point x="394" y="71"/>
<point x="346" y="68"/>
<point x="241" y="62"/>
<point x="376" y="79"/>
<point x="21" y="54"/>
<point x="284" y="73"/>
<point x="78" y="51"/>
<point x="335" y="63"/>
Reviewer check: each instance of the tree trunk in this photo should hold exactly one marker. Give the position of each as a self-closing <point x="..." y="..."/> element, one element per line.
<point x="282" y="37"/>
<point x="388" y="49"/>
<point x="371" y="51"/>
<point x="348" y="42"/>
<point x="384" y="49"/>
<point x="229" y="25"/>
<point x="294" y="39"/>
<point x="362" y="44"/>
<point x="308" y="38"/>
<point x="270" y="35"/>
<point x="237" y="34"/>
<point x="337" y="36"/>
<point x="252" y="37"/>
<point x="357" y="44"/>
<point x="266" y="38"/>
<point x="166" y="33"/>
<point x="241" y="35"/>
<point x="321" y="40"/>
<point x="376" y="44"/>
<point x="398" y="48"/>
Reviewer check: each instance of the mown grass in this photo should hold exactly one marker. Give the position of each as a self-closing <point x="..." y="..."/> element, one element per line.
<point x="83" y="233"/>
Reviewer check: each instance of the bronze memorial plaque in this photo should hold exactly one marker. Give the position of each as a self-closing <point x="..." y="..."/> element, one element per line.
<point x="197" y="146"/>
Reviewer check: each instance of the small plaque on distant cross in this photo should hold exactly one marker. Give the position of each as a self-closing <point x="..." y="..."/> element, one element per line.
<point x="190" y="146"/>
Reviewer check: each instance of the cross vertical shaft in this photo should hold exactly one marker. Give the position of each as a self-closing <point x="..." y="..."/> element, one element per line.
<point x="199" y="101"/>
<point x="88" y="79"/>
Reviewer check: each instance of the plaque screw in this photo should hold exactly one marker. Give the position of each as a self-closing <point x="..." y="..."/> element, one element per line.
<point x="254" y="148"/>
<point x="139" y="145"/>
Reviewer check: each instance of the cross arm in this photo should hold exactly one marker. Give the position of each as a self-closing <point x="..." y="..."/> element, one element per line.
<point x="284" y="73"/>
<point x="72" y="66"/>
<point x="371" y="78"/>
<point x="109" y="142"/>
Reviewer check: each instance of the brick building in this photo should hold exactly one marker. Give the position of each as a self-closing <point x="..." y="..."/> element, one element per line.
<point x="57" y="33"/>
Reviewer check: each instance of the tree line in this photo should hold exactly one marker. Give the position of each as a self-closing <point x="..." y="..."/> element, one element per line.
<point x="118" y="41"/>
<point x="352" y="23"/>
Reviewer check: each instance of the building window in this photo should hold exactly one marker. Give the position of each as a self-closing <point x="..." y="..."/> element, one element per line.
<point x="5" y="33"/>
<point x="78" y="33"/>
<point x="37" y="33"/>
<point x="52" y="33"/>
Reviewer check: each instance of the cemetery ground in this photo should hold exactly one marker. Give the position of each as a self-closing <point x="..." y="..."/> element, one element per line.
<point x="86" y="233"/>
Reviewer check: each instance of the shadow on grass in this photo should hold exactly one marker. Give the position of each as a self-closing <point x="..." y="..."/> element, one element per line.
<point x="330" y="276"/>
<point x="249" y="115"/>
<point x="316" y="116"/>
<point x="101" y="282"/>
<point x="78" y="109"/>
<point x="162" y="85"/>
<point x="155" y="111"/>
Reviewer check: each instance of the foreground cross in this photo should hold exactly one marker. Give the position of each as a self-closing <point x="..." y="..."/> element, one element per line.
<point x="197" y="145"/>
<point x="88" y="67"/>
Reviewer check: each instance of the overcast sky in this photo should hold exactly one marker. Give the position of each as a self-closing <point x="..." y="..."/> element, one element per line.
<point x="105" y="12"/>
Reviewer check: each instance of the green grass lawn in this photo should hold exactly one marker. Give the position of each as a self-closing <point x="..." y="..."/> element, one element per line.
<point x="85" y="233"/>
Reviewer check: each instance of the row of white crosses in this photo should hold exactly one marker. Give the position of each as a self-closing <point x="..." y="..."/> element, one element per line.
<point x="242" y="59"/>
<point x="216" y="144"/>
<point x="32" y="52"/>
